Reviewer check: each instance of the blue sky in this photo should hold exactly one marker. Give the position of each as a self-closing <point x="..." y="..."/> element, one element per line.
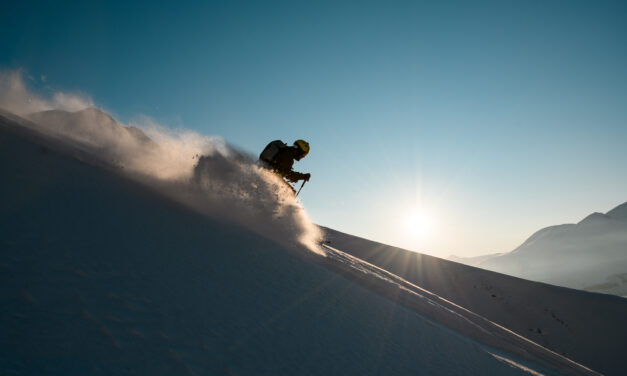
<point x="490" y="119"/>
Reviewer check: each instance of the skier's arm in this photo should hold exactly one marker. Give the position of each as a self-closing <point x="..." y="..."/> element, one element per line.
<point x="294" y="176"/>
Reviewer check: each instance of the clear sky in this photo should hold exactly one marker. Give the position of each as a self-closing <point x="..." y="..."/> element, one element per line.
<point x="485" y="120"/>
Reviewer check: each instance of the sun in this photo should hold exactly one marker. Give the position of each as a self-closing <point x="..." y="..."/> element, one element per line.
<point x="418" y="224"/>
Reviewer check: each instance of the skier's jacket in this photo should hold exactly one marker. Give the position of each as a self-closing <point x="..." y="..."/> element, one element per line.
<point x="279" y="157"/>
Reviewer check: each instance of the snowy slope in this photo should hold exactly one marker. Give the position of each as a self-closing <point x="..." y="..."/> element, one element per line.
<point x="590" y="255"/>
<point x="587" y="327"/>
<point x="102" y="275"/>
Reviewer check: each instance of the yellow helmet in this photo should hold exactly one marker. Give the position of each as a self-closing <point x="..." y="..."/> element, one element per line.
<point x="302" y="145"/>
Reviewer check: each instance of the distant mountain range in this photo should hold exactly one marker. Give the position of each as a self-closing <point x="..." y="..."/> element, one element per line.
<point x="590" y="255"/>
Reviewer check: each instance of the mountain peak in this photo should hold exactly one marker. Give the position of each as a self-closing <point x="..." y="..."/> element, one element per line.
<point x="594" y="217"/>
<point x="619" y="212"/>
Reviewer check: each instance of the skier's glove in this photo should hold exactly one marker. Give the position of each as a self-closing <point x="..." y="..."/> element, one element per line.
<point x="307" y="177"/>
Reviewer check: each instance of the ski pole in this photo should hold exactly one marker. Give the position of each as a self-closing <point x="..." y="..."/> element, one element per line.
<point x="301" y="187"/>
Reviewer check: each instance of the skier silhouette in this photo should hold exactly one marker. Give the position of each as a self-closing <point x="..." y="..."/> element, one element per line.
<point x="279" y="158"/>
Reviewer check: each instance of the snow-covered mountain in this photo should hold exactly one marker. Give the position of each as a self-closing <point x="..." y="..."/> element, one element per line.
<point x="589" y="255"/>
<point x="105" y="271"/>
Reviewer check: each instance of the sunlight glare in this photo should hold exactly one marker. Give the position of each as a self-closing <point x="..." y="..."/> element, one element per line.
<point x="418" y="224"/>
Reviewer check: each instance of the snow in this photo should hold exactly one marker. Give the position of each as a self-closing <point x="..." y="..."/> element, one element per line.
<point x="516" y="365"/>
<point x="204" y="173"/>
<point x="589" y="328"/>
<point x="107" y="273"/>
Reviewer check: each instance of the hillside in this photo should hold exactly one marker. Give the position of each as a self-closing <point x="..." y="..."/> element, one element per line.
<point x="589" y="328"/>
<point x="102" y="274"/>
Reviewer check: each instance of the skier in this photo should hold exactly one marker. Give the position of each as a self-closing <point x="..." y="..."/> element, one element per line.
<point x="279" y="158"/>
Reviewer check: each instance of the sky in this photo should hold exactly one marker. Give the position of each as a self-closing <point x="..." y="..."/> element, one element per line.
<point x="445" y="127"/>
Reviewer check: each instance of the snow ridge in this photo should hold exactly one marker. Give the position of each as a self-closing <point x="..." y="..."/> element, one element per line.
<point x="204" y="173"/>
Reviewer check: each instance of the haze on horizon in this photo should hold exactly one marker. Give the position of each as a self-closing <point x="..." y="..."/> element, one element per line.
<point x="445" y="128"/>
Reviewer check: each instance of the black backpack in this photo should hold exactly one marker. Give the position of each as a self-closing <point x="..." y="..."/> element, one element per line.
<point x="270" y="152"/>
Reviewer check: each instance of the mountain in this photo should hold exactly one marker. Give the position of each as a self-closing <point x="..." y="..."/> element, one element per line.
<point x="619" y="213"/>
<point x="103" y="273"/>
<point x="590" y="255"/>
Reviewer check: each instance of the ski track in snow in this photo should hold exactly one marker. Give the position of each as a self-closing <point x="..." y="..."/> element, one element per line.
<point x="404" y="285"/>
<point x="491" y="333"/>
<point x="516" y="365"/>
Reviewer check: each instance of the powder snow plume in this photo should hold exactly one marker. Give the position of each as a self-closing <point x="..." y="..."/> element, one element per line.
<point x="204" y="173"/>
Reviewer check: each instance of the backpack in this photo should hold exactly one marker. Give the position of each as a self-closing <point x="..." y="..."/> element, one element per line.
<point x="270" y="152"/>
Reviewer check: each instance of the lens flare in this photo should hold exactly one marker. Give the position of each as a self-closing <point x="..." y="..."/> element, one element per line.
<point x="418" y="224"/>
